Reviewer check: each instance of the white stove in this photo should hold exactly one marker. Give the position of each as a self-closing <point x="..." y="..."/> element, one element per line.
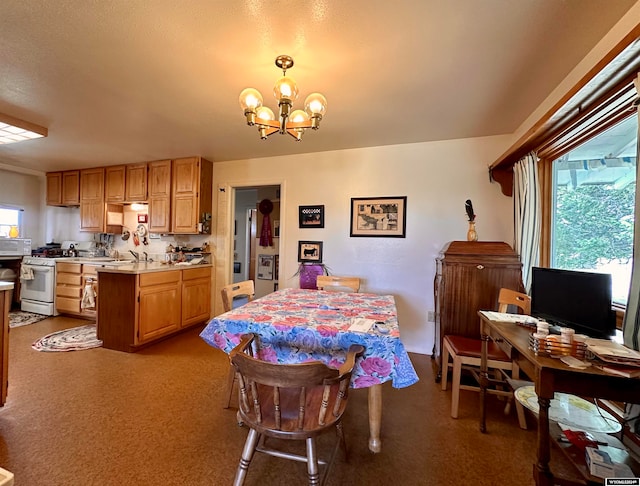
<point x="38" y="285"/>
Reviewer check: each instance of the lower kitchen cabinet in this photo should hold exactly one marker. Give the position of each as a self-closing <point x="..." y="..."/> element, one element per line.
<point x="140" y="308"/>
<point x="71" y="281"/>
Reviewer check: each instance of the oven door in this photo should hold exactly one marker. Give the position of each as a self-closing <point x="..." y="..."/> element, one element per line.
<point x="42" y="287"/>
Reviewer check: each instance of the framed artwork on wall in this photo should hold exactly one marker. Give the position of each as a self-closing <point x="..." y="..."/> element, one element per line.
<point x="310" y="251"/>
<point x="379" y="216"/>
<point x="311" y="216"/>
<point x="265" y="267"/>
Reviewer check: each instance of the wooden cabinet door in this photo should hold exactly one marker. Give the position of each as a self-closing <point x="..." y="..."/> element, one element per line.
<point x="54" y="188"/>
<point x="136" y="183"/>
<point x="114" y="178"/>
<point x="159" y="311"/>
<point x="185" y="180"/>
<point x="71" y="188"/>
<point x="196" y="296"/>
<point x="5" y="306"/>
<point x="159" y="186"/>
<point x="92" y="200"/>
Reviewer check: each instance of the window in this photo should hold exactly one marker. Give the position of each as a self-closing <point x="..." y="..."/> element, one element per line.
<point x="8" y="218"/>
<point x="593" y="191"/>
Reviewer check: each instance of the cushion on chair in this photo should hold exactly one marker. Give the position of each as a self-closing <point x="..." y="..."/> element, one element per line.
<point x="472" y="347"/>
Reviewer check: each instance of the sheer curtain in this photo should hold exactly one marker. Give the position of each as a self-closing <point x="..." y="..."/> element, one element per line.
<point x="526" y="206"/>
<point x="631" y="326"/>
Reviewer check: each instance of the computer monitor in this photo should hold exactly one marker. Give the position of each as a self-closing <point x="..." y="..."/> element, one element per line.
<point x="579" y="300"/>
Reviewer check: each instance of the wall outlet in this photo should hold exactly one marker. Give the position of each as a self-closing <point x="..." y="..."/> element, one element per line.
<point x="431" y="316"/>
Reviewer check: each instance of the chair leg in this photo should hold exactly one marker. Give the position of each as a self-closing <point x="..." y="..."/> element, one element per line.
<point x="230" y="380"/>
<point x="247" y="455"/>
<point x="522" y="419"/>
<point x="455" y="385"/>
<point x="312" y="463"/>
<point x="444" y="366"/>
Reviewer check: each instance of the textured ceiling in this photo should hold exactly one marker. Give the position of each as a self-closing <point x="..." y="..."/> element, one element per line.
<point x="120" y="82"/>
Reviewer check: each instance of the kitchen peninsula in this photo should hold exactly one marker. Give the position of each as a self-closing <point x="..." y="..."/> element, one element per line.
<point x="141" y="303"/>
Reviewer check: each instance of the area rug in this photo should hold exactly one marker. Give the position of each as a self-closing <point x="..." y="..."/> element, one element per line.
<point x="74" y="339"/>
<point x="21" y="318"/>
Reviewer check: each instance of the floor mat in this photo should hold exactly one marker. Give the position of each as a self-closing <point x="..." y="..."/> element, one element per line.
<point x="74" y="339"/>
<point x="22" y="318"/>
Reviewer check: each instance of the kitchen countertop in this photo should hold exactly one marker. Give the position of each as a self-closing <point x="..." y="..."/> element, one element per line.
<point x="6" y="286"/>
<point x="128" y="267"/>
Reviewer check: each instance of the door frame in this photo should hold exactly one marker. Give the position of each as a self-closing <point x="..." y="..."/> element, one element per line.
<point x="225" y="216"/>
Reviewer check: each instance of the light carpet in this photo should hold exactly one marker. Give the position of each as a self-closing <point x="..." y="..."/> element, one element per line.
<point x="74" y="339"/>
<point x="22" y="318"/>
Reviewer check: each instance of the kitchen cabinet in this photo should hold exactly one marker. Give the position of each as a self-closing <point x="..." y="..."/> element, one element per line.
<point x="159" y="182"/>
<point x="469" y="276"/>
<point x="191" y="195"/>
<point x="159" y="305"/>
<point x="71" y="279"/>
<point x="114" y="190"/>
<point x="5" y="306"/>
<point x="96" y="215"/>
<point x="196" y="296"/>
<point x="136" y="183"/>
<point x="63" y="188"/>
<point x="126" y="183"/>
<point x="150" y="302"/>
<point x="92" y="202"/>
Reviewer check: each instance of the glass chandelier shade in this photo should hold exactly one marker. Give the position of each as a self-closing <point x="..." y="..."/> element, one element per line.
<point x="286" y="92"/>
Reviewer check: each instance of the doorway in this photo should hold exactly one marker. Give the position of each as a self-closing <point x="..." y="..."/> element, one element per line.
<point x="253" y="259"/>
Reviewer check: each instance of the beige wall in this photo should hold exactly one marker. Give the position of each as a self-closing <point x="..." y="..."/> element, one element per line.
<point x="436" y="177"/>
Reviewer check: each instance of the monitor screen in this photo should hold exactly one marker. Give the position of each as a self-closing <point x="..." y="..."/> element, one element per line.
<point x="568" y="298"/>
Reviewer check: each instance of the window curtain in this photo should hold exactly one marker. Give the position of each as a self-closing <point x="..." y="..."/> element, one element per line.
<point x="527" y="215"/>
<point x="631" y="325"/>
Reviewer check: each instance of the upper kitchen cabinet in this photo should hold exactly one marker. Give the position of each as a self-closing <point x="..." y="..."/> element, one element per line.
<point x="126" y="183"/>
<point x="63" y="188"/>
<point x="96" y="215"/>
<point x="92" y="210"/>
<point x="159" y="196"/>
<point x="136" y="183"/>
<point x="191" y="195"/>
<point x="114" y="177"/>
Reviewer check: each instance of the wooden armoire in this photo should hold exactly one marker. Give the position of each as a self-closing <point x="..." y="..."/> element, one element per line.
<point x="469" y="276"/>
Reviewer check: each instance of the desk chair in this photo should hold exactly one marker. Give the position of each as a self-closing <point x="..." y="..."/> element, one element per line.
<point x="465" y="352"/>
<point x="245" y="289"/>
<point x="291" y="402"/>
<point x="332" y="282"/>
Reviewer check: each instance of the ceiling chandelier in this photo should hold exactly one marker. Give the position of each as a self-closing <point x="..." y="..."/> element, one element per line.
<point x="286" y="92"/>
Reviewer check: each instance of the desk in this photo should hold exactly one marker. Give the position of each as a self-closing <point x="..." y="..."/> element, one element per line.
<point x="298" y="325"/>
<point x="550" y="375"/>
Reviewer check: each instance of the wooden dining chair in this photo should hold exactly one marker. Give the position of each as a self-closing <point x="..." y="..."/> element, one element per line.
<point x="333" y="282"/>
<point x="465" y="353"/>
<point x="242" y="292"/>
<point x="291" y="402"/>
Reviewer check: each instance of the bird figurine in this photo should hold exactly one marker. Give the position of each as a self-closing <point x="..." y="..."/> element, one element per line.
<point x="468" y="206"/>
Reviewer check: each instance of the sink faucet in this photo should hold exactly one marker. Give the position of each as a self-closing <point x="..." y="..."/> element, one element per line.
<point x="135" y="254"/>
<point x="146" y="257"/>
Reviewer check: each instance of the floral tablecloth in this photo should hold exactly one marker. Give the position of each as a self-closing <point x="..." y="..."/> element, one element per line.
<point x="298" y="325"/>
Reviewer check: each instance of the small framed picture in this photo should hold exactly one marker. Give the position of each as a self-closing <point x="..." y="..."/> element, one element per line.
<point x="311" y="216"/>
<point x="265" y="267"/>
<point x="379" y="216"/>
<point x="310" y="251"/>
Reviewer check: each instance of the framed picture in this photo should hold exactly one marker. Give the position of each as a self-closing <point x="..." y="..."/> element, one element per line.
<point x="276" y="267"/>
<point x="379" y="216"/>
<point x="311" y="216"/>
<point x="310" y="251"/>
<point x="265" y="267"/>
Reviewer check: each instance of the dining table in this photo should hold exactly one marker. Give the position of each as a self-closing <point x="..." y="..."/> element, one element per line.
<point x="301" y="325"/>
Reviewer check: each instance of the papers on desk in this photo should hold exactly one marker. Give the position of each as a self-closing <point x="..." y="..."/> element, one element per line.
<point x="360" y="324"/>
<point x="613" y="352"/>
<point x="503" y="316"/>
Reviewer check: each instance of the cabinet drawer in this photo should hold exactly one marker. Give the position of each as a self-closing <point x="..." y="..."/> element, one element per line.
<point x="68" y="291"/>
<point x="194" y="273"/>
<point x="69" y="279"/>
<point x="158" y="278"/>
<point x="69" y="267"/>
<point x="64" y="304"/>
<point x="90" y="269"/>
